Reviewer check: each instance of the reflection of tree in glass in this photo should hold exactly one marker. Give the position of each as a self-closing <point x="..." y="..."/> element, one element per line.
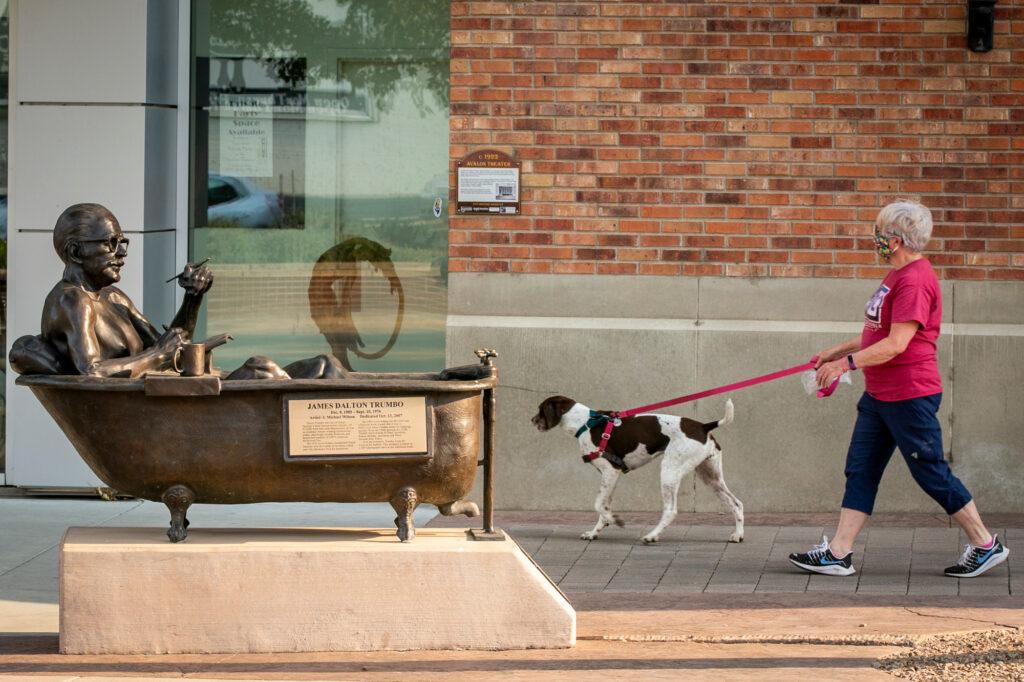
<point x="273" y="29"/>
<point x="398" y="42"/>
<point x="334" y="293"/>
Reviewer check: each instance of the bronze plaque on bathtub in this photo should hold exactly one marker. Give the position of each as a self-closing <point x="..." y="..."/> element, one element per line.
<point x="327" y="427"/>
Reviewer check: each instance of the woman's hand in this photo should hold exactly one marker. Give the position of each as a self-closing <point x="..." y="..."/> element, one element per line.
<point x="830" y="371"/>
<point x="828" y="355"/>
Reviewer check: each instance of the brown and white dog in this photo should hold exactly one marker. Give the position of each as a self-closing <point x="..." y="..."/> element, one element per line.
<point x="684" y="444"/>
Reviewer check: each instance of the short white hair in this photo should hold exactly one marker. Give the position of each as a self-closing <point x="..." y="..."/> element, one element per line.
<point x="908" y="220"/>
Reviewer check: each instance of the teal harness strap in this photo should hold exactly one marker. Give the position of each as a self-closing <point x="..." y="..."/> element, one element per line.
<point x="596" y="419"/>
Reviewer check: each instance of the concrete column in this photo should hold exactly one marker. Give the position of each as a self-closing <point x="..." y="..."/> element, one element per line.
<point x="93" y="117"/>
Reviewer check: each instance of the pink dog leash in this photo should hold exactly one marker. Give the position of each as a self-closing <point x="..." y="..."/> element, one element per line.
<point x="615" y="418"/>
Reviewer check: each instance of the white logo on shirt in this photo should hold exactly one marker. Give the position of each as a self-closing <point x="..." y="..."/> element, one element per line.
<point x="873" y="310"/>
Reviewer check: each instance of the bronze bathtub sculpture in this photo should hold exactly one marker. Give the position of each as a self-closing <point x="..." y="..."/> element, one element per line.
<point x="229" y="448"/>
<point x="110" y="380"/>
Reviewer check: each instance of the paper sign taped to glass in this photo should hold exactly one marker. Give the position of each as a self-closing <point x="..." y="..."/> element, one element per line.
<point x="246" y="127"/>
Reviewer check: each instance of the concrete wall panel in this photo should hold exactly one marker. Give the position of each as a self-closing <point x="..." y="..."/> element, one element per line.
<point x="572" y="295"/>
<point x="786" y="451"/>
<point x="987" y="434"/>
<point x="734" y="298"/>
<point x="988" y="302"/>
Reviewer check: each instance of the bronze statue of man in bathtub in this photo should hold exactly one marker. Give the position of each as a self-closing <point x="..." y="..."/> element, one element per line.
<point x="91" y="327"/>
<point x="232" y="448"/>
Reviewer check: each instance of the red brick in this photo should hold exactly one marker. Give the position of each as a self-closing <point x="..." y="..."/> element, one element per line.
<point x="595" y="254"/>
<point x="661" y="269"/>
<point x="757" y="139"/>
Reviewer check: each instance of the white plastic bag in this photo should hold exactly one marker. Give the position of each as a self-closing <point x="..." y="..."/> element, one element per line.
<point x="810" y="381"/>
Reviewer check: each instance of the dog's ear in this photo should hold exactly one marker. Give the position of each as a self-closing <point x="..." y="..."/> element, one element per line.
<point x="547" y="410"/>
<point x="553" y="408"/>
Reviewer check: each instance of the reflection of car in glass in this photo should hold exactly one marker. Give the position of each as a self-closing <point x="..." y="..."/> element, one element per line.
<point x="240" y="202"/>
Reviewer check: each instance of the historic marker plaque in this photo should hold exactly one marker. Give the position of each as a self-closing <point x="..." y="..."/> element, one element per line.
<point x="488" y="182"/>
<point x="322" y="427"/>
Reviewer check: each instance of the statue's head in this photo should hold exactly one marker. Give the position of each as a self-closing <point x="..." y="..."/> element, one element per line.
<point x="89" y="237"/>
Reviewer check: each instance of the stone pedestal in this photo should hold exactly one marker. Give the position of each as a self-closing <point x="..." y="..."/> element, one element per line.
<point x="130" y="591"/>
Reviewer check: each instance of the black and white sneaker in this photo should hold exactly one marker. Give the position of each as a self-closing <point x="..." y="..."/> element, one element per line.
<point x="976" y="560"/>
<point x="821" y="560"/>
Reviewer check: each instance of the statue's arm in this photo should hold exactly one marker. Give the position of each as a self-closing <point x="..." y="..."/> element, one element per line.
<point x="196" y="280"/>
<point x="188" y="313"/>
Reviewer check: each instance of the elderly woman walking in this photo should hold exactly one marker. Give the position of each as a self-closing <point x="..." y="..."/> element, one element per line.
<point x="896" y="352"/>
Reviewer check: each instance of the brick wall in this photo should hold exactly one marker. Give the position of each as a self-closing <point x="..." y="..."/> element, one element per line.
<point x="739" y="138"/>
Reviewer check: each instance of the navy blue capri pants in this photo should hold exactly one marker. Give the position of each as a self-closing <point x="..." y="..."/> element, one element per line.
<point x="911" y="425"/>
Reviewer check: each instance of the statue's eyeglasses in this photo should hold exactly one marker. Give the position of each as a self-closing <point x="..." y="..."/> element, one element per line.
<point x="113" y="243"/>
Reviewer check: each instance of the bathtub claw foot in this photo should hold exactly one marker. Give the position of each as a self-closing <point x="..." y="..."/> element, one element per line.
<point x="404" y="503"/>
<point x="463" y="507"/>
<point x="178" y="499"/>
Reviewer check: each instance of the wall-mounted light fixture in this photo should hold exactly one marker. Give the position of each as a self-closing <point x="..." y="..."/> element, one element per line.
<point x="981" y="24"/>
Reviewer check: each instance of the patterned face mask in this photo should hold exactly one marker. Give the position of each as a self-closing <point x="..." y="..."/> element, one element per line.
<point x="882" y="244"/>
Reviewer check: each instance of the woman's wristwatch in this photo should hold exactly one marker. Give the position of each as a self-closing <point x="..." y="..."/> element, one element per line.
<point x="849" y="361"/>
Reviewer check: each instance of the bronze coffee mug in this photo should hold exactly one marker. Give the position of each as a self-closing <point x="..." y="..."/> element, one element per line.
<point x="190" y="360"/>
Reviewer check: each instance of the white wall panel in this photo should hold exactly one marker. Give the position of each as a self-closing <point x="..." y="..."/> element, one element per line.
<point x="62" y="155"/>
<point x="94" y="118"/>
<point x="96" y="51"/>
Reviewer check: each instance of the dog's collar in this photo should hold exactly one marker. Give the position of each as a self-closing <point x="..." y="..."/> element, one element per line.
<point x="596" y="419"/>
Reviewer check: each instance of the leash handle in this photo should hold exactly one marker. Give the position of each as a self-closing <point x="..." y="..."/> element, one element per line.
<point x="830" y="389"/>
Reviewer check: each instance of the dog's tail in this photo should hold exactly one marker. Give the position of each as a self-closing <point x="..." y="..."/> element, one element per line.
<point x="725" y="420"/>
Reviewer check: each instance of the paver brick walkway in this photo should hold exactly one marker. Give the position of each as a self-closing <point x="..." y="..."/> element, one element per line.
<point x="696" y="557"/>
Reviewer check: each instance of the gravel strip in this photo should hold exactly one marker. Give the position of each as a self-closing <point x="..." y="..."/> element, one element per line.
<point x="964" y="657"/>
<point x="839" y="640"/>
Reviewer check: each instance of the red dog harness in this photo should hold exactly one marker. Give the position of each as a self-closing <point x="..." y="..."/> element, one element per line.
<point x="615" y="418"/>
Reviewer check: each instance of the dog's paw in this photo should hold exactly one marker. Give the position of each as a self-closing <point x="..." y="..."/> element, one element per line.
<point x="650" y="539"/>
<point x="589" y="535"/>
<point x="619" y="522"/>
<point x="736" y="537"/>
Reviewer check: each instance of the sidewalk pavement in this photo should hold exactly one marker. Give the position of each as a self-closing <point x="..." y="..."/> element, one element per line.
<point x="895" y="555"/>
<point x="691" y="607"/>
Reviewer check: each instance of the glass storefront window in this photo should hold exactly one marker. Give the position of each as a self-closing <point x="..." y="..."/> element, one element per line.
<point x="320" y="178"/>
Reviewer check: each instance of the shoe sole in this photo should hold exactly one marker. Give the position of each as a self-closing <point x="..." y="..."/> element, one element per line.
<point x="834" y="569"/>
<point x="992" y="562"/>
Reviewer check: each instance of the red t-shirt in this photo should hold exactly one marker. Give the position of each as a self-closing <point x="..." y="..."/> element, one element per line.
<point x="908" y="294"/>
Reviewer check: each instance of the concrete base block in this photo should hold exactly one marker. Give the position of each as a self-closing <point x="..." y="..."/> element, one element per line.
<point x="130" y="591"/>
